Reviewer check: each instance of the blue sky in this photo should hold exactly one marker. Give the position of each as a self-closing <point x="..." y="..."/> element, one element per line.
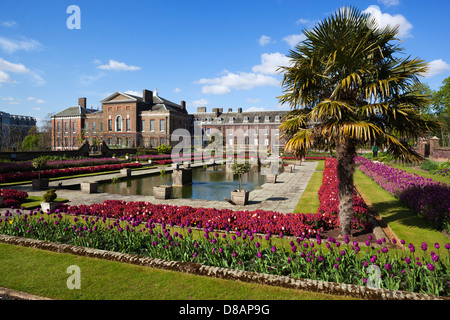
<point x="209" y="53"/>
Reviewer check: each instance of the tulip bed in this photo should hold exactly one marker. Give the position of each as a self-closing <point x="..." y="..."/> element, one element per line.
<point x="53" y="173"/>
<point x="429" y="199"/>
<point x="307" y="158"/>
<point x="370" y="264"/>
<point x="57" y="164"/>
<point x="13" y="198"/>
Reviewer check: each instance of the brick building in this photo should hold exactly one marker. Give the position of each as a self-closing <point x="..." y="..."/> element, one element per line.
<point x="125" y="120"/>
<point x="242" y="129"/>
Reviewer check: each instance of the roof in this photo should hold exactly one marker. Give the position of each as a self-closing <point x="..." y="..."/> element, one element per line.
<point x="159" y="103"/>
<point x="75" y="111"/>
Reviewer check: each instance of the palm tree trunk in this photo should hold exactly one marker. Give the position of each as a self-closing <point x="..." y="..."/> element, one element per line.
<point x="345" y="153"/>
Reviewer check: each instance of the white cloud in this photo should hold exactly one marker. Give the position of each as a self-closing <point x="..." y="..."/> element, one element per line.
<point x="86" y="80"/>
<point x="270" y="63"/>
<point x="249" y="100"/>
<point x="9" y="24"/>
<point x="134" y="93"/>
<point x="254" y="109"/>
<point x="36" y="109"/>
<point x="118" y="66"/>
<point x="176" y="90"/>
<point x="18" y="68"/>
<point x="11" y="46"/>
<point x="385" y="19"/>
<point x="238" y="81"/>
<point x="200" y="103"/>
<point x="4" y="78"/>
<point x="390" y="3"/>
<point x="436" y="67"/>
<point x="302" y="21"/>
<point x="294" y="39"/>
<point x="264" y="40"/>
<point x="35" y="100"/>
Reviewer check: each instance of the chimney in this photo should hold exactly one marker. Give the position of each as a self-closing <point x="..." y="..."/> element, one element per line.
<point x="183" y="104"/>
<point x="216" y="111"/>
<point x="230" y="109"/>
<point x="239" y="110"/>
<point x="147" y="95"/>
<point x="221" y="110"/>
<point x="82" y="102"/>
<point x="201" y="109"/>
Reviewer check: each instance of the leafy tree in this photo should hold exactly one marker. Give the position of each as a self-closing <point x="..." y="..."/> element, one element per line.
<point x="346" y="88"/>
<point x="240" y="169"/>
<point x="441" y="102"/>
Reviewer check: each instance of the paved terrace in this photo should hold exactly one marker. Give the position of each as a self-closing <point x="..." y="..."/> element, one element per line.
<point x="282" y="196"/>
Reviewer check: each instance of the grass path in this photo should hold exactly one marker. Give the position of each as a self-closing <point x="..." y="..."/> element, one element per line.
<point x="403" y="221"/>
<point x="45" y="274"/>
<point x="309" y="202"/>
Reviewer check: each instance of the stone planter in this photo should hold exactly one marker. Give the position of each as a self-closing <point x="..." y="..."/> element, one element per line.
<point x="162" y="192"/>
<point x="125" y="172"/>
<point x="271" y="178"/>
<point x="89" y="187"/>
<point x="289" y="168"/>
<point x="49" y="206"/>
<point x="39" y="184"/>
<point x="240" y="198"/>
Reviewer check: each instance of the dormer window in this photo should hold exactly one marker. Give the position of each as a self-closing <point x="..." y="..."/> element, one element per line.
<point x="277" y="118"/>
<point x="245" y="119"/>
<point x="232" y="120"/>
<point x="256" y="118"/>
<point x="267" y="119"/>
<point x="220" y="120"/>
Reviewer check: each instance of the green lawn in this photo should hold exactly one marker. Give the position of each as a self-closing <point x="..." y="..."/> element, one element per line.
<point x="45" y="274"/>
<point x="403" y="221"/>
<point x="35" y="201"/>
<point x="309" y="202"/>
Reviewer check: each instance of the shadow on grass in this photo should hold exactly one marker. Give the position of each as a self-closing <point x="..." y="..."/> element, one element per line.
<point x="400" y="214"/>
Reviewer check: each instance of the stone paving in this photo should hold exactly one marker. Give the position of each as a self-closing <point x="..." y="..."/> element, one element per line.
<point x="281" y="196"/>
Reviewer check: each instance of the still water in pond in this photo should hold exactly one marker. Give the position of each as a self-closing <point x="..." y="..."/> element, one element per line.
<point x="212" y="183"/>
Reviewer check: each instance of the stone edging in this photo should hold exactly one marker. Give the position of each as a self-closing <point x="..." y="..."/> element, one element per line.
<point x="381" y="225"/>
<point x="224" y="273"/>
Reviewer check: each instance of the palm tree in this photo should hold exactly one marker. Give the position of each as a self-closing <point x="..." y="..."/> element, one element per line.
<point x="346" y="88"/>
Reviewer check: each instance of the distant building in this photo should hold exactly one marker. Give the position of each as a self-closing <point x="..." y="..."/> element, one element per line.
<point x="13" y="129"/>
<point x="242" y="129"/>
<point x="125" y="120"/>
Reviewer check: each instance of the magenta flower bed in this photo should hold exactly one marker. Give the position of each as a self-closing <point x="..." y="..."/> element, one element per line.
<point x="292" y="224"/>
<point x="58" y="164"/>
<point x="53" y="173"/>
<point x="430" y="199"/>
<point x="13" y="198"/>
<point x="307" y="158"/>
<point x="329" y="198"/>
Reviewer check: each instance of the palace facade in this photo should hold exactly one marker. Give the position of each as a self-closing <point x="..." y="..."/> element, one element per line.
<point x="130" y="121"/>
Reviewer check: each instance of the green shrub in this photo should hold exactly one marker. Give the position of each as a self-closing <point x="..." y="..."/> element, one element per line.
<point x="429" y="165"/>
<point x="163" y="149"/>
<point x="49" y="195"/>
